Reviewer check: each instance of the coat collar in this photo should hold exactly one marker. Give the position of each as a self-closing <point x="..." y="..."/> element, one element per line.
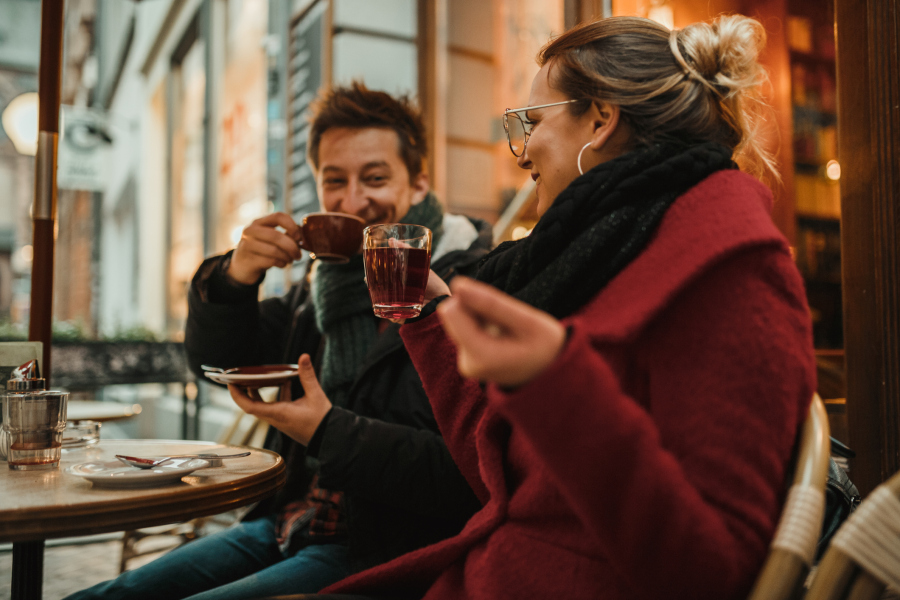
<point x="722" y="215"/>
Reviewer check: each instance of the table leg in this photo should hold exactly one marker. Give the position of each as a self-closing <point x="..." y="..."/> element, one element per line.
<point x="185" y="403"/>
<point x="28" y="570"/>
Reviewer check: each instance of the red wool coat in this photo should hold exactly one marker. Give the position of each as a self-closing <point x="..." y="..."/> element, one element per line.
<point x="648" y="461"/>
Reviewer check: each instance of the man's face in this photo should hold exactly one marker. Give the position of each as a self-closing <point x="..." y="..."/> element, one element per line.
<point x="361" y="173"/>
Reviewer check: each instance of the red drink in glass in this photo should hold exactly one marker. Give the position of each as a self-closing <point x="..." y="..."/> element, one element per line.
<point x="398" y="261"/>
<point x="397" y="278"/>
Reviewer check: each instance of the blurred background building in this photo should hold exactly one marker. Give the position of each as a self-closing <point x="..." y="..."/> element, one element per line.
<point x="184" y="120"/>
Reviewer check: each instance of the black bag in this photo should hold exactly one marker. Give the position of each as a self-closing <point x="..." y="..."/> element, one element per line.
<point x="841" y="497"/>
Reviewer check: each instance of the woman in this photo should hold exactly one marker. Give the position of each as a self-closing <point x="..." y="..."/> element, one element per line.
<point x="649" y="349"/>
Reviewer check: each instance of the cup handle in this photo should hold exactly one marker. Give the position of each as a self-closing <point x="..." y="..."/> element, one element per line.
<point x="302" y="242"/>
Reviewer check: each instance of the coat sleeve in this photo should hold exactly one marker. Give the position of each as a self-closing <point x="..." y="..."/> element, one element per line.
<point x="687" y="484"/>
<point x="236" y="332"/>
<point x="458" y="403"/>
<point x="398" y="465"/>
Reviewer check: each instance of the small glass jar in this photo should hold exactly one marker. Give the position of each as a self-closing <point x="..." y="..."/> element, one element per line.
<point x="33" y="422"/>
<point x="81" y="433"/>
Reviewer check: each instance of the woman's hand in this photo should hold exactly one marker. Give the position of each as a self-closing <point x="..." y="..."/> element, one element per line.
<point x="299" y="418"/>
<point x="498" y="338"/>
<point x="435" y="288"/>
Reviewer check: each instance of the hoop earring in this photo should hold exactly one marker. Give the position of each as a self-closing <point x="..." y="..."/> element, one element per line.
<point x="583" y="148"/>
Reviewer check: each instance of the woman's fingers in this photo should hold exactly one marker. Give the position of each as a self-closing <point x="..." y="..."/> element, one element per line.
<point x="499" y="338"/>
<point x="462" y="326"/>
<point x="490" y="305"/>
<point x="395" y="243"/>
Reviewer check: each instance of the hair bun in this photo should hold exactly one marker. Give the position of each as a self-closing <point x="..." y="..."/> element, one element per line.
<point x="726" y="51"/>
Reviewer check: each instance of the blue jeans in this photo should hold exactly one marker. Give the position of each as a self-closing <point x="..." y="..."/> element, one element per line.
<point x="236" y="564"/>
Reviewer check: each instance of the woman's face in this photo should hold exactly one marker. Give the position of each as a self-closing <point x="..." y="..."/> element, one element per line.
<point x="557" y="137"/>
<point x="551" y="153"/>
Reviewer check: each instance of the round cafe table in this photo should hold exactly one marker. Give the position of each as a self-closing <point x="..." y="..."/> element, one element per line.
<point x="88" y="410"/>
<point x="40" y="505"/>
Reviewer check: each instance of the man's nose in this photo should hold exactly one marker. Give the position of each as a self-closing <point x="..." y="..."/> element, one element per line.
<point x="356" y="200"/>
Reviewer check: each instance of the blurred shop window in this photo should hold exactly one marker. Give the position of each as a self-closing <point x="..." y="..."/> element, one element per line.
<point x="241" y="187"/>
<point x="186" y="102"/>
<point x="305" y="76"/>
<point x="376" y="42"/>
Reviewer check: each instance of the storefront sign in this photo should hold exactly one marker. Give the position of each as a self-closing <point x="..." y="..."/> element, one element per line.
<point x="83" y="146"/>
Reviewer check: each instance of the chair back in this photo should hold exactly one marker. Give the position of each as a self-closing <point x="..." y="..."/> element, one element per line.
<point x="793" y="548"/>
<point x="864" y="555"/>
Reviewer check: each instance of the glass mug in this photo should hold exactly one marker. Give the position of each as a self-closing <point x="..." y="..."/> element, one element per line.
<point x="398" y="260"/>
<point x="33" y="424"/>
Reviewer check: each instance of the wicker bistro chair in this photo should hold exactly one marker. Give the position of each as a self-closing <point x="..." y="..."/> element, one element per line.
<point x="864" y="555"/>
<point x="793" y="548"/>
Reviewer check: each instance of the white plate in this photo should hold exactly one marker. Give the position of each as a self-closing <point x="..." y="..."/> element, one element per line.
<point x="115" y="474"/>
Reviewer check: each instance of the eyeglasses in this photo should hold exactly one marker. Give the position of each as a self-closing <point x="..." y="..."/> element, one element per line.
<point x="518" y="130"/>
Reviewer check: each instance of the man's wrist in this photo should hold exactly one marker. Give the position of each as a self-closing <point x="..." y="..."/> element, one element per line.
<point x="225" y="269"/>
<point x="224" y="289"/>
<point x="315" y="441"/>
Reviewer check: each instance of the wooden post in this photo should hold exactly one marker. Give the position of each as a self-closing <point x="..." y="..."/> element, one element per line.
<point x="44" y="208"/>
<point x="868" y="74"/>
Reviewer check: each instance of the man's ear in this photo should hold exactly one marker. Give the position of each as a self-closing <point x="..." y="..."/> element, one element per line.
<point x="421" y="185"/>
<point x="605" y="122"/>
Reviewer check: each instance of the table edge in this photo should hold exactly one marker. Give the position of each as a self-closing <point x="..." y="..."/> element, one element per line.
<point x="54" y="522"/>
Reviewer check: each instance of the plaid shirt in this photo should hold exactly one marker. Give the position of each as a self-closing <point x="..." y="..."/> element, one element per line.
<point x="319" y="517"/>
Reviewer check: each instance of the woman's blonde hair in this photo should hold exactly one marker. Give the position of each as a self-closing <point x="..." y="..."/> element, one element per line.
<point x="698" y="84"/>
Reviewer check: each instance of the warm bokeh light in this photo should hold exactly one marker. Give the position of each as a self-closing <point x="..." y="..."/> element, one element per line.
<point x="20" y="121"/>
<point x="236" y="234"/>
<point x="833" y="170"/>
<point x="252" y="209"/>
<point x="519" y="232"/>
<point x="27" y="253"/>
<point x="662" y="13"/>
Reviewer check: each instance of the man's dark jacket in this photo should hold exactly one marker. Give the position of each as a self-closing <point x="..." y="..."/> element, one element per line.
<point x="383" y="449"/>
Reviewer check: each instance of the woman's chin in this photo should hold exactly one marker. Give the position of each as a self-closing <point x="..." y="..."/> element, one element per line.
<point x="542" y="202"/>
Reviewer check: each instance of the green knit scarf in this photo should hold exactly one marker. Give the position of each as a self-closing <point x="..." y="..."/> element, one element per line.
<point x="343" y="308"/>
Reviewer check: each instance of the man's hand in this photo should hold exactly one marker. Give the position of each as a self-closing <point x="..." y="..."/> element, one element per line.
<point x="263" y="246"/>
<point x="299" y="418"/>
<point x="499" y="338"/>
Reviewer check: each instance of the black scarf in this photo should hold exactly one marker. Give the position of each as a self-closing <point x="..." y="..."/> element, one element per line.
<point x="598" y="225"/>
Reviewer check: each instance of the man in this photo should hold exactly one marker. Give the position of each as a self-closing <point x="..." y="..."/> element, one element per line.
<point x="369" y="477"/>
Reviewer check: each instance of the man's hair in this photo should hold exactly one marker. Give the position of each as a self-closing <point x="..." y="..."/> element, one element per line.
<point x="358" y="107"/>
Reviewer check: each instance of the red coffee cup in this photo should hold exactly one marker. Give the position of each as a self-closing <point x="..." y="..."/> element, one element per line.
<point x="331" y="237"/>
